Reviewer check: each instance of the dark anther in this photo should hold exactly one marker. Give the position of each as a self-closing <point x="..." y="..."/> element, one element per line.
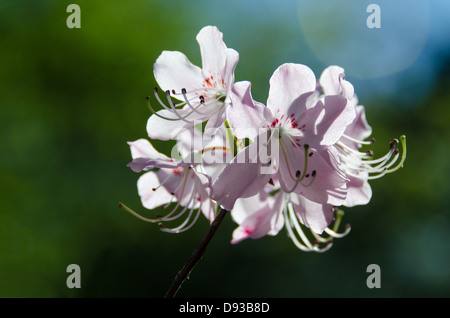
<point x="313" y="173"/>
<point x="372" y="140"/>
<point x="173" y="92"/>
<point x="393" y="143"/>
<point x="307" y="175"/>
<point x="155" y="89"/>
<point x="297" y="174"/>
<point x="153" y="189"/>
<point x="183" y="90"/>
<point x="310" y="154"/>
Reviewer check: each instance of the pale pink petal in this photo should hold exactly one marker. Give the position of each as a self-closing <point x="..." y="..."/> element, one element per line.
<point x="337" y="115"/>
<point x="232" y="58"/>
<point x="173" y="71"/>
<point x="213" y="50"/>
<point x="163" y="129"/>
<point x="244" y="115"/>
<point x="289" y="82"/>
<point x="257" y="217"/>
<point x="152" y="196"/>
<point x="314" y="215"/>
<point x="214" y="122"/>
<point x="146" y="157"/>
<point x="180" y="182"/>
<point x="142" y="148"/>
<point x="241" y="178"/>
<point x="359" y="129"/>
<point x="359" y="192"/>
<point x="333" y="82"/>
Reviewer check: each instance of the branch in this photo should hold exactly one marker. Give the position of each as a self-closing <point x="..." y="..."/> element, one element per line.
<point x="195" y="257"/>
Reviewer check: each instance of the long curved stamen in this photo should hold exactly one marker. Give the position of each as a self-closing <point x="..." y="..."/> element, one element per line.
<point x="203" y="103"/>
<point x="174" y="110"/>
<point x="285" y="187"/>
<point x="168" y="216"/>
<point x="147" y="100"/>
<point x="296" y="224"/>
<point x="298" y="175"/>
<point x="124" y="207"/>
<point x="375" y="168"/>
<point x="172" y="107"/>
<point x="195" y="109"/>
<point x="214" y="149"/>
<point x="362" y="142"/>
<point x="182" y="227"/>
<point x="313" y="177"/>
<point x="291" y="222"/>
<point x="402" y="160"/>
<point x="291" y="233"/>
<point x="333" y="233"/>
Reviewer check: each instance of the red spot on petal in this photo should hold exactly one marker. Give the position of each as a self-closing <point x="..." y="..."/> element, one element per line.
<point x="177" y="171"/>
<point x="247" y="231"/>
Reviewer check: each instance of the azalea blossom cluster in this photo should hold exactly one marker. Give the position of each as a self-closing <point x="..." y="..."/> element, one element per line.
<point x="290" y="163"/>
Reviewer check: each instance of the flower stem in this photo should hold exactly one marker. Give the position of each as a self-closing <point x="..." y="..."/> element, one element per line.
<point x="196" y="256"/>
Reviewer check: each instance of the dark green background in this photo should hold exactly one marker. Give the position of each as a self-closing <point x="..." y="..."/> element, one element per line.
<point x="72" y="98"/>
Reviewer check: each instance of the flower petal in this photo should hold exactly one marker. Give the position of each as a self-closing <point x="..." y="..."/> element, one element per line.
<point x="244" y="115"/>
<point x="359" y="129"/>
<point x="332" y="81"/>
<point x="257" y="216"/>
<point x="338" y="114"/>
<point x="164" y="129"/>
<point x="241" y="178"/>
<point x="213" y="50"/>
<point x="228" y="72"/>
<point x="152" y="198"/>
<point x="288" y="82"/>
<point x="146" y="157"/>
<point x="314" y="215"/>
<point x="359" y="192"/>
<point x="173" y="71"/>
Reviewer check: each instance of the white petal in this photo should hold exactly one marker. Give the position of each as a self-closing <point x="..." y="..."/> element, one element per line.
<point x="173" y="71"/>
<point x="213" y="50"/>
<point x="314" y="215"/>
<point x="152" y="199"/>
<point x="244" y="115"/>
<point x="289" y="82"/>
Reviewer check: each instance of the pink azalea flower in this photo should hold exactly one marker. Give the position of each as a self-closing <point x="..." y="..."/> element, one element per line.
<point x="203" y="92"/>
<point x="359" y="167"/>
<point x="299" y="128"/>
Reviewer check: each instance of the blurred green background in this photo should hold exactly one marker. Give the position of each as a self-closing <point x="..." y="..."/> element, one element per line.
<point x="70" y="99"/>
